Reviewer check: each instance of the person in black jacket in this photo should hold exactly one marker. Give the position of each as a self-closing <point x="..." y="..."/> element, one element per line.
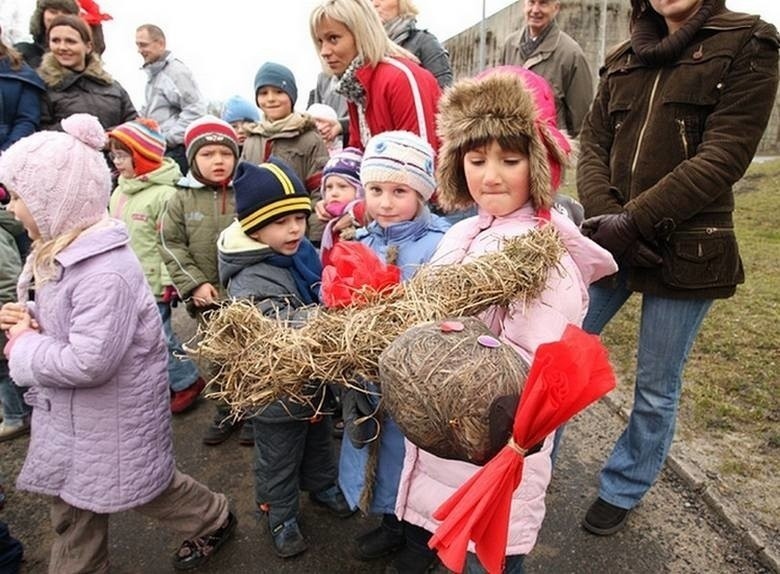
<point x="678" y="115"/>
<point x="399" y="18"/>
<point x="76" y="81"/>
<point x="20" y="98"/>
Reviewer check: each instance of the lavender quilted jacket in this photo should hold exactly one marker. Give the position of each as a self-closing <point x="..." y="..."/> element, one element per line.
<point x="97" y="372"/>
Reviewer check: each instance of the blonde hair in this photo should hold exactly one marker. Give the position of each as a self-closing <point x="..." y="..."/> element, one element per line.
<point x="407" y="8"/>
<point x="371" y="40"/>
<point x="41" y="262"/>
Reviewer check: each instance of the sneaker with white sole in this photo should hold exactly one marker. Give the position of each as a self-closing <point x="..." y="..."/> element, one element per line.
<point x="9" y="431"/>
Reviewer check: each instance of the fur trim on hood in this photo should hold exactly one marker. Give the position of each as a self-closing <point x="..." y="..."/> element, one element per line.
<point x="53" y="74"/>
<point x="500" y="103"/>
<point x="37" y="29"/>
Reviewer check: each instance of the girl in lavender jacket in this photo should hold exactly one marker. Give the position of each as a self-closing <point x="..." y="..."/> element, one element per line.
<point x="91" y="351"/>
<point x="501" y="151"/>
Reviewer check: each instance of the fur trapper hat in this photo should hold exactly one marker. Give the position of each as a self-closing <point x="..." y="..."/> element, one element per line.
<point x="503" y="102"/>
<point x="37" y="29"/>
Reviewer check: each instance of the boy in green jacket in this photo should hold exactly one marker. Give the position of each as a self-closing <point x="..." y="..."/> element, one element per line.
<point x="194" y="216"/>
<point x="146" y="182"/>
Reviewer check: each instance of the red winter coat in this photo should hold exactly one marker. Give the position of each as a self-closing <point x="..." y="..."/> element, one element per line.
<point x="400" y="95"/>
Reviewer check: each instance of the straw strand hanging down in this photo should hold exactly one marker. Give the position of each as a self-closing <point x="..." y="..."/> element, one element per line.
<point x="261" y="359"/>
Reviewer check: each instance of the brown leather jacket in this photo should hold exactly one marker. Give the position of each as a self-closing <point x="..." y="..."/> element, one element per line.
<point x="667" y="143"/>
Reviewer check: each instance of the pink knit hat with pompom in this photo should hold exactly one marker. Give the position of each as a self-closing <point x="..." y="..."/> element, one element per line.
<point x="61" y="177"/>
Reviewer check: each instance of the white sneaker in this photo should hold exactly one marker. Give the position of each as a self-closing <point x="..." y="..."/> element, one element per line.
<point x="8" y="431"/>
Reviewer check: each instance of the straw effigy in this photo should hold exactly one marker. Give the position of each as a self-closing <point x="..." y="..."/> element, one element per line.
<point x="452" y="388"/>
<point x="261" y="359"/>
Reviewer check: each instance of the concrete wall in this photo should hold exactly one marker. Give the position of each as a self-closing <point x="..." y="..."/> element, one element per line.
<point x="584" y="21"/>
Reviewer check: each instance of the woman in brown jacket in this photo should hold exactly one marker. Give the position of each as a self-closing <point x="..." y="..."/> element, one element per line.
<point x="679" y="113"/>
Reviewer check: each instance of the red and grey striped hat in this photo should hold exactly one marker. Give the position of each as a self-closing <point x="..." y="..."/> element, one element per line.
<point x="209" y="130"/>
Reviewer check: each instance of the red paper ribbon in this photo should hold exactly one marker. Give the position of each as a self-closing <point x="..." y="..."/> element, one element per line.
<point x="353" y="270"/>
<point x="566" y="376"/>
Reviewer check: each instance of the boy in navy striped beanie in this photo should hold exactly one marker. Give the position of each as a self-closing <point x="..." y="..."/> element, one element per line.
<point x="279" y="270"/>
<point x="267" y="192"/>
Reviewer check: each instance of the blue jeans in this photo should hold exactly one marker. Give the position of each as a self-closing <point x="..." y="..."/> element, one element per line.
<point x="15" y="410"/>
<point x="513" y="564"/>
<point x="667" y="330"/>
<point x="182" y="371"/>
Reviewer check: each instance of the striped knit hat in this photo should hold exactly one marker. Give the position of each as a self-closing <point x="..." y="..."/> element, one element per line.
<point x="267" y="192"/>
<point x="205" y="131"/>
<point x="209" y="130"/>
<point x="143" y="138"/>
<point x="345" y="164"/>
<point x="399" y="157"/>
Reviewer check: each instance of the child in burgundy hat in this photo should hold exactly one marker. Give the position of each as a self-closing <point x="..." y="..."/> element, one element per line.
<point x="193" y="218"/>
<point x="147" y="180"/>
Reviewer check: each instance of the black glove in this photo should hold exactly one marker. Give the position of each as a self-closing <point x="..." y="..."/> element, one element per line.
<point x="618" y="234"/>
<point x="642" y="254"/>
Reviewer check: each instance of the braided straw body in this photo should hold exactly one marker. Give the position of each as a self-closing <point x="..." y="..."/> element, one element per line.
<point x="261" y="359"/>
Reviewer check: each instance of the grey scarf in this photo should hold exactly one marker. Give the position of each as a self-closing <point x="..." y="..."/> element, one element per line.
<point x="528" y="45"/>
<point x="400" y="28"/>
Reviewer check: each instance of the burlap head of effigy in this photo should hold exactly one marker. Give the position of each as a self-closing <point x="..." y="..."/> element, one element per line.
<point x="452" y="388"/>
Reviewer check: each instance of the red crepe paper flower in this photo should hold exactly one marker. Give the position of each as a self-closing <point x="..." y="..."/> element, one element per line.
<point x="565" y="377"/>
<point x="91" y="14"/>
<point x="353" y="271"/>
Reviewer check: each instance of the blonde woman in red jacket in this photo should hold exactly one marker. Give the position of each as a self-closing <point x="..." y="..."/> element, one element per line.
<point x="385" y="86"/>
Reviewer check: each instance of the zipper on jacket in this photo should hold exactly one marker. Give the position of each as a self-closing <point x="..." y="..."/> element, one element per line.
<point x="645" y="123"/>
<point x="683" y="137"/>
<point x="705" y="230"/>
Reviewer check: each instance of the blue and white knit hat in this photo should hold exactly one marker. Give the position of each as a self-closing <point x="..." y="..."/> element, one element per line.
<point x="400" y="157"/>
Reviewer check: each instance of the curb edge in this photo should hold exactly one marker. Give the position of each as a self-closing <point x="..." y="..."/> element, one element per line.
<point x="704" y="489"/>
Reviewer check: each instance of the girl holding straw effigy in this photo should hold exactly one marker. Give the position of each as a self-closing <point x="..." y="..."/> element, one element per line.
<point x="398" y="177"/>
<point x="501" y="151"/>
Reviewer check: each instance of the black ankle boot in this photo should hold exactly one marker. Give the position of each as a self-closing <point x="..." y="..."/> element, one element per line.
<point x="381" y="541"/>
<point x="412" y="560"/>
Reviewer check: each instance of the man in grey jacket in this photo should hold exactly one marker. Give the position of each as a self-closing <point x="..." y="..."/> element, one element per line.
<point x="173" y="99"/>
<point x="541" y="46"/>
